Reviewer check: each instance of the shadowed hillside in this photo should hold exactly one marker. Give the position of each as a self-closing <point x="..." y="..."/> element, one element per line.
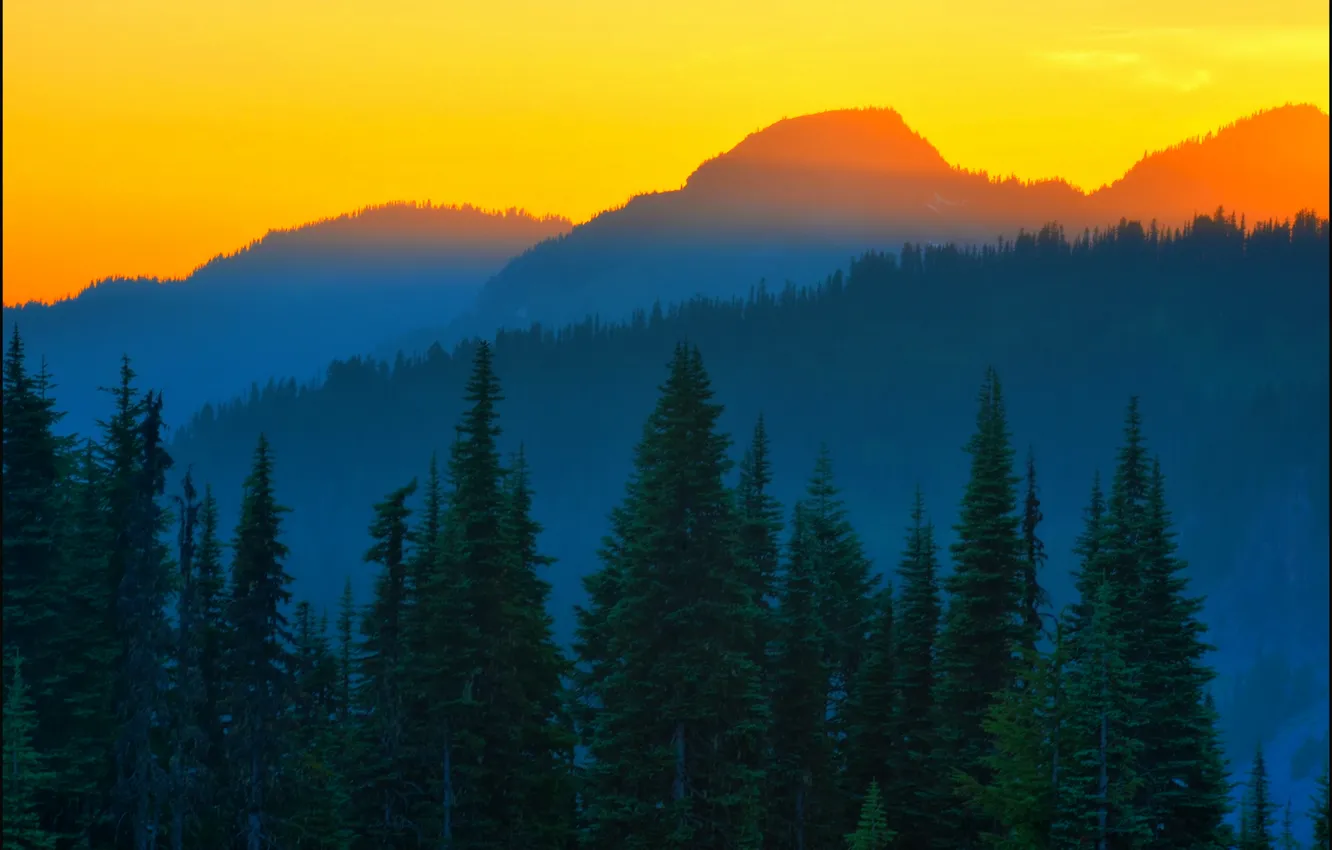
<point x="805" y="194"/>
<point x="1224" y="336"/>
<point x="284" y="305"/>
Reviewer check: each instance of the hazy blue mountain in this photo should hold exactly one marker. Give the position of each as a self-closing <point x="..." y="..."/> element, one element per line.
<point x="806" y="194"/>
<point x="284" y="305"/>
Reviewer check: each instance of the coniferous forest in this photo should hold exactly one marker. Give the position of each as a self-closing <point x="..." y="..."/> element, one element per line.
<point x="741" y="675"/>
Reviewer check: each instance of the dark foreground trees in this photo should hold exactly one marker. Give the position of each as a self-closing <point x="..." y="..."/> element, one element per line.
<point x="728" y="691"/>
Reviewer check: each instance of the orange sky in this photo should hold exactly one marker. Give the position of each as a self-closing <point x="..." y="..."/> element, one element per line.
<point x="142" y="137"/>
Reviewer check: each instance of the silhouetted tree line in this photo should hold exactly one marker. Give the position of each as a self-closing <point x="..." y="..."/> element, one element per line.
<point x="738" y="679"/>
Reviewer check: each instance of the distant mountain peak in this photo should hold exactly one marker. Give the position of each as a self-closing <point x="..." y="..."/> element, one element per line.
<point x="845" y="140"/>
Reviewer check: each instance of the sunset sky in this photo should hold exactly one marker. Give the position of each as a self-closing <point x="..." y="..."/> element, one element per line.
<point x="142" y="137"/>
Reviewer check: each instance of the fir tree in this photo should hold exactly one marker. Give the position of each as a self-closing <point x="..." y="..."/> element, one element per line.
<point x="917" y="623"/>
<point x="382" y="669"/>
<point x="977" y="644"/>
<point x="1321" y="814"/>
<point x="802" y="794"/>
<point x="760" y="518"/>
<point x="541" y="795"/>
<point x="873" y="716"/>
<point x="1261" y="815"/>
<point x="1287" y="840"/>
<point x="872" y="832"/>
<point x="1189" y="792"/>
<point x="1032" y="559"/>
<point x="346" y="661"/>
<point x="25" y="773"/>
<point x="260" y="661"/>
<point x="187" y="736"/>
<point x="1099" y="749"/>
<point x="674" y="712"/>
<point x="212" y="642"/>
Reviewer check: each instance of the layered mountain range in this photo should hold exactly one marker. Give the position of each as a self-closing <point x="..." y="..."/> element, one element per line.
<point x="788" y="203"/>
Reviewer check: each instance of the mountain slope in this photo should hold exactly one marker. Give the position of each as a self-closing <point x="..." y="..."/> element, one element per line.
<point x="284" y="305"/>
<point x="809" y="192"/>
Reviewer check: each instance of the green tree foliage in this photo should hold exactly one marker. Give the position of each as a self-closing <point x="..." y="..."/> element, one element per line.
<point x="760" y="523"/>
<point x="980" y="629"/>
<point x="260" y="654"/>
<point x="802" y="777"/>
<point x="1032" y="559"/>
<point x="1260" y="810"/>
<point x="25" y="773"/>
<point x="873" y="718"/>
<point x="918" y="781"/>
<point x="1321" y="814"/>
<point x="673" y="708"/>
<point x="872" y="832"/>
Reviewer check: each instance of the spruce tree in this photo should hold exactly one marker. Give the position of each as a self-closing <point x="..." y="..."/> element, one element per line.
<point x="188" y="738"/>
<point x="873" y="718"/>
<point x="25" y="773"/>
<point x="33" y="593"/>
<point x="1189" y="792"/>
<point x="1261" y="809"/>
<point x="260" y="660"/>
<point x="845" y="581"/>
<point x="918" y="783"/>
<point x="1032" y="560"/>
<point x="380" y="696"/>
<point x="872" y="832"/>
<point x="1098" y="781"/>
<point x="673" y="713"/>
<point x="760" y="523"/>
<point x="212" y="642"/>
<point x="981" y="626"/>
<point x="1321" y="814"/>
<point x="802" y="798"/>
<point x="1287" y="840"/>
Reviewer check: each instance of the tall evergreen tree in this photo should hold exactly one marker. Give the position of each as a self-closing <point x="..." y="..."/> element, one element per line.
<point x="139" y="465"/>
<point x="872" y="832"/>
<point x="873" y="719"/>
<point x="1099" y="748"/>
<point x="542" y="794"/>
<point x="1189" y="793"/>
<point x="1321" y="814"/>
<point x="188" y="738"/>
<point x="1032" y="559"/>
<point x="981" y="626"/>
<point x="760" y="523"/>
<point x="25" y="773"/>
<point x="846" y="586"/>
<point x="383" y="660"/>
<point x="803" y="797"/>
<point x="260" y="659"/>
<point x="1287" y="840"/>
<point x="918" y="783"/>
<point x="1261" y="815"/>
<point x="675" y="713"/>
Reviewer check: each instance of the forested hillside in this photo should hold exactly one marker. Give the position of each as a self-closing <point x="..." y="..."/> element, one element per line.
<point x="740" y="677"/>
<point x="284" y="305"/>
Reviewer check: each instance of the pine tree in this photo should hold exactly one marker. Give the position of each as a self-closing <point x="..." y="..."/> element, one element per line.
<point x="673" y="711"/>
<point x="1189" y="792"/>
<point x="25" y="773"/>
<point x="31" y="520"/>
<point x="1321" y="814"/>
<point x="187" y="736"/>
<point x="381" y="796"/>
<point x="872" y="832"/>
<point x="1287" y="840"/>
<point x="1261" y="809"/>
<point x="981" y="626"/>
<point x="211" y="647"/>
<point x="802" y="797"/>
<point x="138" y="474"/>
<point x="1033" y="558"/>
<point x="760" y="518"/>
<point x="260" y="661"/>
<point x="1099" y="748"/>
<point x="873" y="717"/>
<point x="918" y="782"/>
<point x="346" y="661"/>
<point x="846" y="585"/>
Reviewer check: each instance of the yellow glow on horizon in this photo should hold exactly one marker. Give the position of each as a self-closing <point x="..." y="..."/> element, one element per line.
<point x="142" y="137"/>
